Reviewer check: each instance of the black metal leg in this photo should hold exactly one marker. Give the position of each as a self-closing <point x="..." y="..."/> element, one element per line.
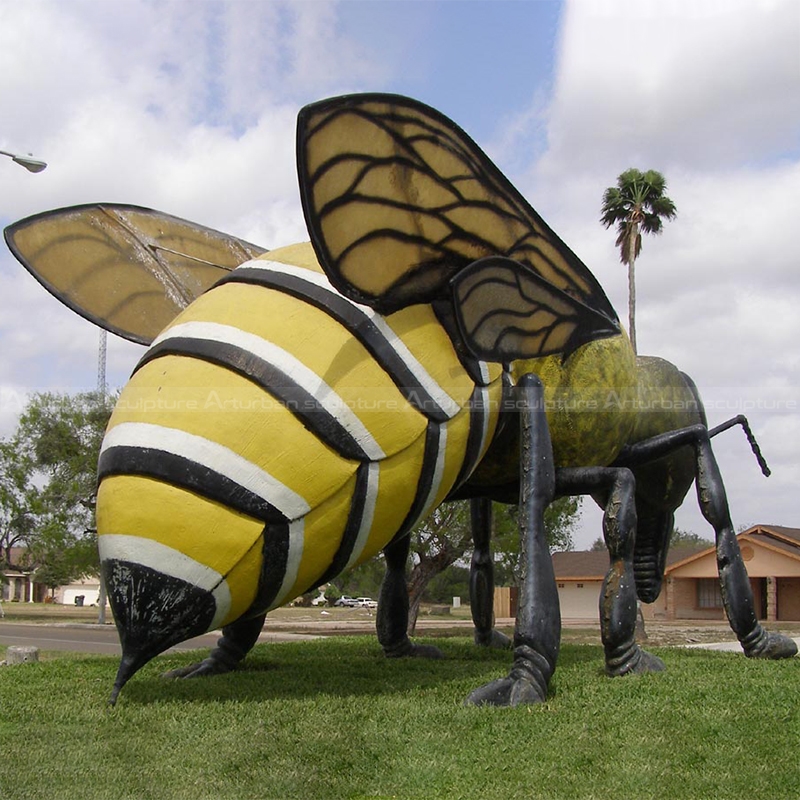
<point x="392" y="617"/>
<point x="481" y="577"/>
<point x="235" y="643"/>
<point x="538" y="629"/>
<point x="737" y="594"/>
<point x="618" y="596"/>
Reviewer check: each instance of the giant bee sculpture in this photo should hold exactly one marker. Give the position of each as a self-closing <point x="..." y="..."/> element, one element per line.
<point x="435" y="340"/>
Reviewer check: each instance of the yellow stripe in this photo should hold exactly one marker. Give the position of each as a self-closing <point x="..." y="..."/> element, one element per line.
<point x="322" y="534"/>
<point x="324" y="346"/>
<point x="201" y="529"/>
<point x="428" y="342"/>
<point x="298" y="255"/>
<point x="213" y="402"/>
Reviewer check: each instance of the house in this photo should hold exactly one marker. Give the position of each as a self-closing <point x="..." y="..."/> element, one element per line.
<point x="18" y="583"/>
<point x="771" y="555"/>
<point x="691" y="581"/>
<point x="580" y="575"/>
<point x="82" y="592"/>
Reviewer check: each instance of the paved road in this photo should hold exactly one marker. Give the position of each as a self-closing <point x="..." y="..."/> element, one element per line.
<point x="80" y="638"/>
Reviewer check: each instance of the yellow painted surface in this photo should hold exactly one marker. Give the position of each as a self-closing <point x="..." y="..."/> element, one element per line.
<point x="243" y="581"/>
<point x="300" y="254"/>
<point x="206" y="400"/>
<point x="325" y="347"/>
<point x="322" y="535"/>
<point x="203" y="530"/>
<point x="209" y="401"/>
<point x="397" y="485"/>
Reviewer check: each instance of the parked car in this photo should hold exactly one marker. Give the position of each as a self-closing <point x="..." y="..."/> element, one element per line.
<point x="366" y="602"/>
<point x="346" y="602"/>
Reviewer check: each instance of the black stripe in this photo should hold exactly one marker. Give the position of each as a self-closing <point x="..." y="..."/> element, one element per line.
<point x="350" y="535"/>
<point x="359" y="325"/>
<point x="477" y="416"/>
<point x="472" y="366"/>
<point x="424" y="483"/>
<point x="186" y="474"/>
<point x="275" y="557"/>
<point x="153" y="611"/>
<point x="272" y="380"/>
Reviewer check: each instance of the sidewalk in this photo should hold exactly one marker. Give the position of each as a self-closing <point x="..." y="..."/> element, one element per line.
<point x="306" y="623"/>
<point x="732" y="646"/>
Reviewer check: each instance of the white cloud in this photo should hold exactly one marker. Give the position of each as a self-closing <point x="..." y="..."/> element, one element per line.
<point x="707" y="93"/>
<point x="185" y="107"/>
<point x="699" y="83"/>
<point x="190" y="108"/>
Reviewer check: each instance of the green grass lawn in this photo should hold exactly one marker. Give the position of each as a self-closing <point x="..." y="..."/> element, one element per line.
<point x="333" y="719"/>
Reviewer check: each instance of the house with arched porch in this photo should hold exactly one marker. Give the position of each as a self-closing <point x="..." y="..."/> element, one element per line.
<point x="691" y="590"/>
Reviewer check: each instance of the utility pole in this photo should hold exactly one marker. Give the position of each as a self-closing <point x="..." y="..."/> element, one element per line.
<point x="101" y="363"/>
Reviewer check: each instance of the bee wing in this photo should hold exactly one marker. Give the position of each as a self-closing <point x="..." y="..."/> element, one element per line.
<point x="505" y="312"/>
<point x="398" y="199"/>
<point x="128" y="269"/>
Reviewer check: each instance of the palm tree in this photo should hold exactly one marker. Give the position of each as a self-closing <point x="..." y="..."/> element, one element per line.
<point x="635" y="205"/>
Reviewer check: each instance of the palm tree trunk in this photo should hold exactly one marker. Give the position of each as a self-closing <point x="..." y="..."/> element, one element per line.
<point x="631" y="260"/>
<point x="632" y="305"/>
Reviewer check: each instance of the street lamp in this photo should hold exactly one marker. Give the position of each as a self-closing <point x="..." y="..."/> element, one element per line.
<point x="30" y="164"/>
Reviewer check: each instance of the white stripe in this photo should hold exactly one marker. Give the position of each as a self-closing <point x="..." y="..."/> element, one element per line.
<point x="310" y="275"/>
<point x="443" y="400"/>
<point x="289" y="365"/>
<point x="295" y="556"/>
<point x="422" y="376"/>
<point x="367" y="514"/>
<point x="484" y="369"/>
<point x="438" y="473"/>
<point x="168" y="561"/>
<point x="484" y="390"/>
<point x="212" y="455"/>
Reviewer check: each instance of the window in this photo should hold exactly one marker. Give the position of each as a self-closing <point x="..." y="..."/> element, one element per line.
<point x="708" y="593"/>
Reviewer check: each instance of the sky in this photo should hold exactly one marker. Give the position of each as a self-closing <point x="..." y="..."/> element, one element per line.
<point x="189" y="107"/>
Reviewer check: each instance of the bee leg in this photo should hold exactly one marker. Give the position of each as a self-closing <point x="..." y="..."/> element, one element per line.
<point x="616" y="486"/>
<point x="235" y="643"/>
<point x="481" y="577"/>
<point x="737" y="594"/>
<point x="538" y="628"/>
<point x="392" y="617"/>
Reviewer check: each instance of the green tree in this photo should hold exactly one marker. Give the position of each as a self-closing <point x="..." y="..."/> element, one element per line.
<point x="598" y="544"/>
<point x="436" y="543"/>
<point x="445" y="538"/>
<point x="678" y="538"/>
<point x="361" y="581"/>
<point x="19" y="502"/>
<point x="49" y="469"/>
<point x="681" y="538"/>
<point x="637" y="204"/>
<point x="559" y="520"/>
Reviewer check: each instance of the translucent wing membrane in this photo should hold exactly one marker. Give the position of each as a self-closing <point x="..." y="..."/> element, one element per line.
<point x="507" y="312"/>
<point x="398" y="198"/>
<point x="129" y="270"/>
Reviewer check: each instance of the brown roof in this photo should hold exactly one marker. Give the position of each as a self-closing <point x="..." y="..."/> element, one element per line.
<point x="778" y="532"/>
<point x="789" y="547"/>
<point x="593" y="564"/>
<point x="775" y="536"/>
<point x="580" y="564"/>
